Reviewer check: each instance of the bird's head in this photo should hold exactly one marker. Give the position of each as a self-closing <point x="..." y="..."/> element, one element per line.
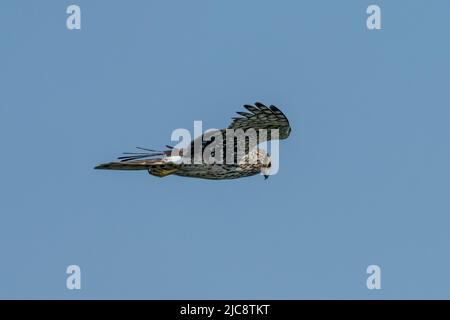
<point x="259" y="162"/>
<point x="265" y="167"/>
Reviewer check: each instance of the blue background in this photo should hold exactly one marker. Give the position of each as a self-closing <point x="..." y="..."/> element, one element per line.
<point x="364" y="177"/>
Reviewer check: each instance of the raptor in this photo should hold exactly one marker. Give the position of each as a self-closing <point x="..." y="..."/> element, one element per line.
<point x="254" y="160"/>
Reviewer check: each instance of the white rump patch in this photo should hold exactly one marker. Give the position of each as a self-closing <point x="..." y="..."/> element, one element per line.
<point x="173" y="159"/>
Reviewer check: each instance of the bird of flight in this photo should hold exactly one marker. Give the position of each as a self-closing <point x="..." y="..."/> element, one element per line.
<point x="238" y="158"/>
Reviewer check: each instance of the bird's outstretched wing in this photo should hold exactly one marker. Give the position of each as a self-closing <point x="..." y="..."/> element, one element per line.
<point x="262" y="117"/>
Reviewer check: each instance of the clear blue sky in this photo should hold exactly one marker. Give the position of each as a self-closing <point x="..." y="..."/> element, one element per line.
<point x="364" y="177"/>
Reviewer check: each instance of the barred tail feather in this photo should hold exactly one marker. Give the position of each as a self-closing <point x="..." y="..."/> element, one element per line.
<point x="156" y="167"/>
<point x="124" y="166"/>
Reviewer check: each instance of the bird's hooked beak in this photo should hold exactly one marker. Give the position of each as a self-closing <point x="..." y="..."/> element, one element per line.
<point x="266" y="172"/>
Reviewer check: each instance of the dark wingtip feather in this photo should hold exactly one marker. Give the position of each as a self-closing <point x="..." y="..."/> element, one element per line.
<point x="146" y="149"/>
<point x="140" y="156"/>
<point x="260" y="105"/>
<point x="244" y="114"/>
<point x="273" y="108"/>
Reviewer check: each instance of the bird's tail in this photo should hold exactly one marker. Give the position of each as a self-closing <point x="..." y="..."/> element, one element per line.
<point x="159" y="167"/>
<point x="156" y="167"/>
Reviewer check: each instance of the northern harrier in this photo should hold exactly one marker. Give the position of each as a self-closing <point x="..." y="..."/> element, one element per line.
<point x="260" y="118"/>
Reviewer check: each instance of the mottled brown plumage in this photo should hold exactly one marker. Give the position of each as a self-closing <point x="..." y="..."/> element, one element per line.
<point x="249" y="163"/>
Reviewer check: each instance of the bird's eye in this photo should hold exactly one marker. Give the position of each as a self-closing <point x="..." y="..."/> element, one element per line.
<point x="270" y="164"/>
